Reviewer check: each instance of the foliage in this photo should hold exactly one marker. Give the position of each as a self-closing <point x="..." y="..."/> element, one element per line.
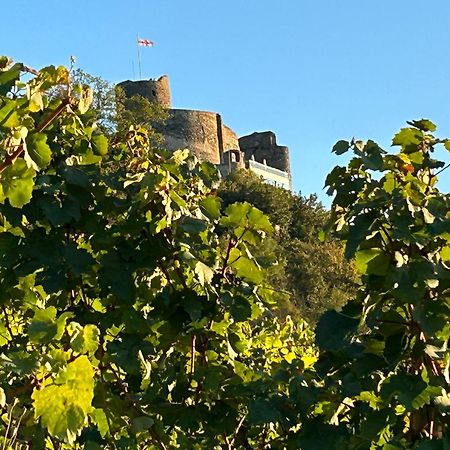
<point x="103" y="99"/>
<point x="125" y="322"/>
<point x="114" y="112"/>
<point x="314" y="273"/>
<point x="384" y="357"/>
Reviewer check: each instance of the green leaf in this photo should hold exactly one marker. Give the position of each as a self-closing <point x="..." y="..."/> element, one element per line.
<point x="64" y="405"/>
<point x="411" y="390"/>
<point x="333" y="330"/>
<point x="447" y="144"/>
<point x="241" y="309"/>
<point x="143" y="423"/>
<point x="372" y="156"/>
<point x="84" y="339"/>
<point x="210" y="207"/>
<point x="36" y="102"/>
<point x="43" y="328"/>
<point x="99" y="418"/>
<point x="192" y="225"/>
<point x="116" y="275"/>
<point x="374" y="423"/>
<point x="372" y="261"/>
<point x="21" y="362"/>
<point x="423" y="125"/>
<point x="236" y="215"/>
<point x="38" y="153"/>
<point x="244" y="267"/>
<point x="2" y="398"/>
<point x="16" y="183"/>
<point x="335" y="177"/>
<point x="8" y="114"/>
<point x="100" y="144"/>
<point x="204" y="273"/>
<point x="8" y="78"/>
<point x="417" y="157"/>
<point x="341" y="147"/>
<point x="86" y="97"/>
<point x="259" y="221"/>
<point x="246" y="216"/>
<point x="408" y="139"/>
<point x="5" y="337"/>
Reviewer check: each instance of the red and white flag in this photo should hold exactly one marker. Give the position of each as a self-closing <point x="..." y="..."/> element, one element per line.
<point x="145" y="42"/>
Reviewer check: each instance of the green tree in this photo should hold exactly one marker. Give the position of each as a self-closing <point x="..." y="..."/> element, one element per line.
<point x="115" y="113"/>
<point x="132" y="311"/>
<point x="384" y="358"/>
<point x="315" y="274"/>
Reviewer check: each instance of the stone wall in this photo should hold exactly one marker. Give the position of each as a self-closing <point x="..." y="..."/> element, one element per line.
<point x="263" y="146"/>
<point x="202" y="132"/>
<point x="157" y="90"/>
<point x="230" y="139"/>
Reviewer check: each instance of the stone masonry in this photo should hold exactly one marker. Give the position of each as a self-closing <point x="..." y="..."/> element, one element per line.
<point x="205" y="134"/>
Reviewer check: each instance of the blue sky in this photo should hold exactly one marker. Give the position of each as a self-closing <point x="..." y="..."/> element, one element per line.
<point x="312" y="71"/>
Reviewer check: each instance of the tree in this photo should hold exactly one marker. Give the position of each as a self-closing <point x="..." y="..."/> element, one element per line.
<point x="132" y="311"/>
<point x="313" y="273"/>
<point x="114" y="112"/>
<point x="384" y="358"/>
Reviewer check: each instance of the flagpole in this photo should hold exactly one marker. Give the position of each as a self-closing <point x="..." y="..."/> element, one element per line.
<point x="139" y="56"/>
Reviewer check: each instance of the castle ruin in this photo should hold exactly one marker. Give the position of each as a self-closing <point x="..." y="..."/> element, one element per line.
<point x="205" y="135"/>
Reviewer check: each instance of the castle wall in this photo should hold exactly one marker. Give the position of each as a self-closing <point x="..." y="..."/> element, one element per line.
<point x="200" y="131"/>
<point x="157" y="91"/>
<point x="205" y="135"/>
<point x="232" y="161"/>
<point x="230" y="139"/>
<point x="263" y="146"/>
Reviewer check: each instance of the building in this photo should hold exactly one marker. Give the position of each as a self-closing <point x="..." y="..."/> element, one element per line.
<point x="205" y="135"/>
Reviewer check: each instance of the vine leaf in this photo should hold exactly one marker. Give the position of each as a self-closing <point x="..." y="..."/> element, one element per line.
<point x="86" y="97"/>
<point x="16" y="183"/>
<point x="100" y="144"/>
<point x="204" y="273"/>
<point x="98" y="416"/>
<point x="84" y="339"/>
<point x="372" y="261"/>
<point x="341" y="147"/>
<point x="408" y="138"/>
<point x="38" y="153"/>
<point x="64" y="405"/>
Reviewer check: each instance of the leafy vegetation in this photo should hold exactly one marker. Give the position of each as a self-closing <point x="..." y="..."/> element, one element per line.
<point x="314" y="275"/>
<point x="123" y="321"/>
<point x="385" y="359"/>
<point x="115" y="113"/>
<point x="137" y="309"/>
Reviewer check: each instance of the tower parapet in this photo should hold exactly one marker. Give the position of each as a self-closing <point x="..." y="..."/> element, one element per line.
<point x="155" y="90"/>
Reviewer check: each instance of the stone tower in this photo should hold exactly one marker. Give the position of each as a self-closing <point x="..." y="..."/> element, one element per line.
<point x="263" y="146"/>
<point x="156" y="90"/>
<point x="202" y="132"/>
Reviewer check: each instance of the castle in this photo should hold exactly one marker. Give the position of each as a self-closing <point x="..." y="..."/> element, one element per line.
<point x="205" y="134"/>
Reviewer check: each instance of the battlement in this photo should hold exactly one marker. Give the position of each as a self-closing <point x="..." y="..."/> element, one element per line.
<point x="263" y="147"/>
<point x="155" y="90"/>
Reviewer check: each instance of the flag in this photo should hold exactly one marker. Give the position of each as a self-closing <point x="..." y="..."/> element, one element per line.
<point x="145" y="42"/>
